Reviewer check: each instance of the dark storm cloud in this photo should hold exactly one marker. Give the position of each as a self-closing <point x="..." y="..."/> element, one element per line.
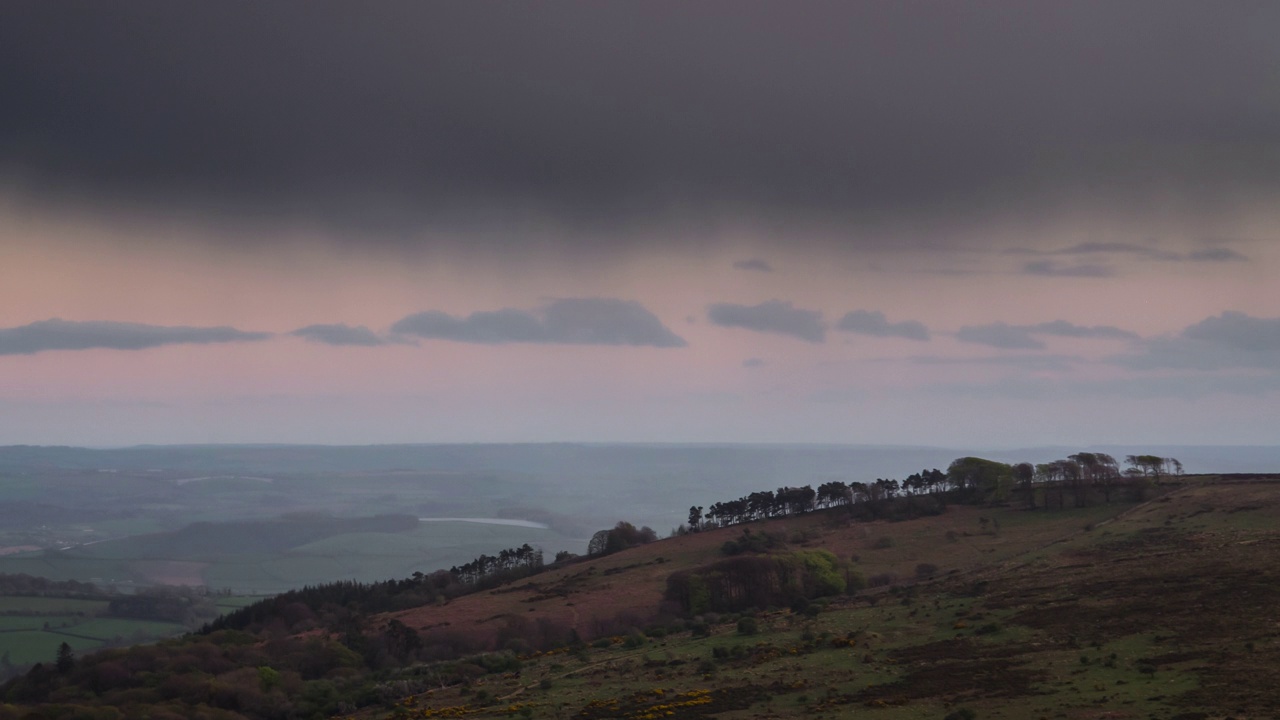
<point x="755" y="264"/>
<point x="1229" y="340"/>
<point x="340" y="334"/>
<point x="865" y="322"/>
<point x="402" y="115"/>
<point x="566" y="321"/>
<point x="59" y="334"/>
<point x="1022" y="337"/>
<point x="772" y="316"/>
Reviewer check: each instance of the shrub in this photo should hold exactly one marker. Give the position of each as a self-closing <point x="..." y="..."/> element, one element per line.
<point x="961" y="714"/>
<point x="881" y="580"/>
<point x="854" y="581"/>
<point x="926" y="570"/>
<point x="748" y="626"/>
<point x="883" y="543"/>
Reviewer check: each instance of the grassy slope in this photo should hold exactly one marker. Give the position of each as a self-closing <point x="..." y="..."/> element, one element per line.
<point x="634" y="581"/>
<point x="1165" y="610"/>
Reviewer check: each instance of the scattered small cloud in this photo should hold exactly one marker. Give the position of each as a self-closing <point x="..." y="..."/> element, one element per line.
<point x="754" y="264"/>
<point x="1034" y="363"/>
<point x="866" y="322"/>
<point x="1050" y="268"/>
<point x="772" y="316"/>
<point x="1023" y="337"/>
<point x="1118" y="249"/>
<point x="1000" y="335"/>
<point x="57" y="334"/>
<point x="1062" y="328"/>
<point x="565" y="321"/>
<point x="1183" y="386"/>
<point x="1144" y="252"/>
<point x="340" y="334"/>
<point x="753" y="363"/>
<point x="1219" y="254"/>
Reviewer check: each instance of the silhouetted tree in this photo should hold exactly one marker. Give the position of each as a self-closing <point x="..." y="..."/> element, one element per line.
<point x="980" y="479"/>
<point x="1024" y="474"/>
<point x="66" y="659"/>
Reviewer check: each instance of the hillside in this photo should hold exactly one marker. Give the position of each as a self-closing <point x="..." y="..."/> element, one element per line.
<point x="1156" y="609"/>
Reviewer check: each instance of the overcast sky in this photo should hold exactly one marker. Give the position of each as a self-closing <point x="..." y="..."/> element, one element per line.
<point x="983" y="224"/>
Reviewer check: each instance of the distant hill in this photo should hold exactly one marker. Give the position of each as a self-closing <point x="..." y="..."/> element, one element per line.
<point x="1156" y="608"/>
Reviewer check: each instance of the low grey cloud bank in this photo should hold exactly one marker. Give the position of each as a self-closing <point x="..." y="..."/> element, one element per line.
<point x="340" y="334"/>
<point x="1229" y="340"/>
<point x="566" y="321"/>
<point x="1183" y="386"/>
<point x="1050" y="268"/>
<point x="57" y="334"/>
<point x="1030" y="362"/>
<point x="1062" y="328"/>
<point x="999" y="335"/>
<point x="1023" y="337"/>
<point x="1217" y="255"/>
<point x="778" y="317"/>
<point x="1145" y="252"/>
<point x="875" y="323"/>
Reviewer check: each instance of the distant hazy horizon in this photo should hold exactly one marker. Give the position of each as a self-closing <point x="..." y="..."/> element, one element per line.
<point x="734" y="463"/>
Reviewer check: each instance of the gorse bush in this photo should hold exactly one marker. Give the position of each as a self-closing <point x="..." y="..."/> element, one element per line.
<point x="742" y="582"/>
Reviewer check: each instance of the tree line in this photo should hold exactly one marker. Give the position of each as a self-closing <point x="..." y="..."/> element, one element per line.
<point x="967" y="480"/>
<point x="524" y="557"/>
<point x="333" y="604"/>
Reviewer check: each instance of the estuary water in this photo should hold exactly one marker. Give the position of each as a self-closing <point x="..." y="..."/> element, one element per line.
<point x="489" y="521"/>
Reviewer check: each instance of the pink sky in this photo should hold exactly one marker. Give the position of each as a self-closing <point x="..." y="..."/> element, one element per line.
<point x="851" y="388"/>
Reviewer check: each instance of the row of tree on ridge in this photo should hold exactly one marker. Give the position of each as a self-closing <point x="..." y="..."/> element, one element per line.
<point x="967" y="480"/>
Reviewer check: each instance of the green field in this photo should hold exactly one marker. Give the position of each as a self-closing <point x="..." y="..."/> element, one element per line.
<point x="279" y="566"/>
<point x="111" y="628"/>
<point x="32" y="628"/>
<point x="33" y="646"/>
<point x="12" y="623"/>
<point x="45" y="605"/>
